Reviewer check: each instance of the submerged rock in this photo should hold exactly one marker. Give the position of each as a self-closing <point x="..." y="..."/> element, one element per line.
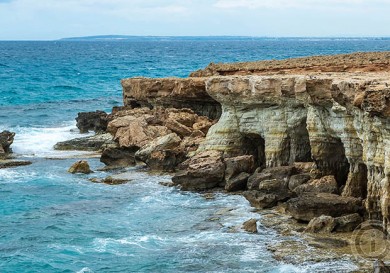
<point x="13" y="163"/>
<point x="80" y="166"/>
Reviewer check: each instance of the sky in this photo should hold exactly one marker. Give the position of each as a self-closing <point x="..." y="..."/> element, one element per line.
<point x="54" y="19"/>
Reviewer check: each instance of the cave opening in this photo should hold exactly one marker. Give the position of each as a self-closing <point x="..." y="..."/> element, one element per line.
<point x="300" y="144"/>
<point x="254" y="144"/>
<point x="333" y="161"/>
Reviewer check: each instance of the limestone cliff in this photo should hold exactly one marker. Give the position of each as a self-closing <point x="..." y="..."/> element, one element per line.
<point x="339" y="121"/>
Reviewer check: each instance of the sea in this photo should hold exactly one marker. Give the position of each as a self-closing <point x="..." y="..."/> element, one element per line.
<point x="53" y="221"/>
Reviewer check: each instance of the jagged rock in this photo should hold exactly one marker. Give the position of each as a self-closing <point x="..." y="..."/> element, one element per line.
<point x="6" y="139"/>
<point x="119" y="157"/>
<point x="91" y="143"/>
<point x="237" y="165"/>
<point x="250" y="226"/>
<point x="171" y="92"/>
<point x="92" y="121"/>
<point x="311" y="205"/>
<point x="262" y="200"/>
<point x="13" y="163"/>
<point x="279" y="173"/>
<point x="237" y="182"/>
<point x="322" y="224"/>
<point x="178" y="128"/>
<point x="203" y="171"/>
<point x="161" y="153"/>
<point x="80" y="166"/>
<point x="348" y="223"/>
<point x="297" y="180"/>
<point x="326" y="184"/>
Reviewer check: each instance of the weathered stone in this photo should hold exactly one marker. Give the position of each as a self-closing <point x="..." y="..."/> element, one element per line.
<point x="203" y="171"/>
<point x="92" y="121"/>
<point x="263" y="200"/>
<point x="237" y="165"/>
<point x="311" y="205"/>
<point x="380" y="267"/>
<point x="348" y="223"/>
<point x="237" y="183"/>
<point x="6" y="139"/>
<point x="250" y="226"/>
<point x="325" y="184"/>
<point x="322" y="224"/>
<point x="297" y="180"/>
<point x="13" y="163"/>
<point x="80" y="166"/>
<point x="119" y="157"/>
<point x="279" y="173"/>
<point x="178" y="128"/>
<point x="91" y="143"/>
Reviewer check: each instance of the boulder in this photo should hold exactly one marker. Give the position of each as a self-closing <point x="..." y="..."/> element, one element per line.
<point x="204" y="171"/>
<point x="80" y="166"/>
<point x="297" y="180"/>
<point x="237" y="183"/>
<point x="119" y="157"/>
<point x="322" y="224"/>
<point x="160" y="154"/>
<point x="237" y="165"/>
<point x="250" y="226"/>
<point x="310" y="205"/>
<point x="280" y="173"/>
<point x="91" y="143"/>
<point x="6" y="139"/>
<point x="326" y="184"/>
<point x="348" y="223"/>
<point x="180" y="129"/>
<point x="92" y="121"/>
<point x="261" y="200"/>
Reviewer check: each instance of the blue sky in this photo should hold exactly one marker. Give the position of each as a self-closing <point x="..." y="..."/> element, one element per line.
<point x="53" y="19"/>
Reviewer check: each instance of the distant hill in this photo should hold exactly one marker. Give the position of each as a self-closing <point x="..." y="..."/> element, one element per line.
<point x="156" y="38"/>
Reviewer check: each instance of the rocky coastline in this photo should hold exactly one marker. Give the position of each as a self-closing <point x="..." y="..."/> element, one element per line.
<point x="309" y="137"/>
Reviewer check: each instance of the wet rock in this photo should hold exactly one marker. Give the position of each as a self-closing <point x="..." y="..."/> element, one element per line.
<point x="322" y="224"/>
<point x="326" y="184"/>
<point x="92" y="121"/>
<point x="250" y="226"/>
<point x="348" y="223"/>
<point x="237" y="165"/>
<point x="114" y="181"/>
<point x="203" y="171"/>
<point x="237" y="183"/>
<point x="310" y="205"/>
<point x="161" y="153"/>
<point x="279" y="173"/>
<point x="13" y="163"/>
<point x="80" y="166"/>
<point x="6" y="139"/>
<point x="91" y="143"/>
<point x="297" y="180"/>
<point x="119" y="157"/>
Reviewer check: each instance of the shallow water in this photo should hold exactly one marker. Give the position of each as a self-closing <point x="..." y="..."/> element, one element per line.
<point x="52" y="221"/>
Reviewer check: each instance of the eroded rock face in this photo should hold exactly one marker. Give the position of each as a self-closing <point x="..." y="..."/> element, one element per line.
<point x="92" y="121"/>
<point x="170" y="93"/>
<point x="338" y="121"/>
<point x="80" y="166"/>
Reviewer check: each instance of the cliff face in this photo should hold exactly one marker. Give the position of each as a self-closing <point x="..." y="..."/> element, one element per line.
<point x="339" y="121"/>
<point x="170" y="93"/>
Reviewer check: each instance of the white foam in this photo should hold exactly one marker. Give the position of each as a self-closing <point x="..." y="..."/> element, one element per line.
<point x="33" y="141"/>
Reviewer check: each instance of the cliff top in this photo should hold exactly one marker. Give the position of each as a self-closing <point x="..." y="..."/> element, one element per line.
<point x="355" y="62"/>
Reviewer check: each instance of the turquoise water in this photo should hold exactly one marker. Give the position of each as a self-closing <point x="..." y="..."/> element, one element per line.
<point x="52" y="221"/>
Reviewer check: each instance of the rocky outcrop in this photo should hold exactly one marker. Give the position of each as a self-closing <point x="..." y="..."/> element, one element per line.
<point x="80" y="166"/>
<point x="91" y="143"/>
<point x="170" y="93"/>
<point x="6" y="139"/>
<point x="92" y="121"/>
<point x="338" y="121"/>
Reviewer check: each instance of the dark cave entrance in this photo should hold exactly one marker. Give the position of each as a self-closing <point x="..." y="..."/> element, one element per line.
<point x="300" y="144"/>
<point x="333" y="161"/>
<point x="254" y="144"/>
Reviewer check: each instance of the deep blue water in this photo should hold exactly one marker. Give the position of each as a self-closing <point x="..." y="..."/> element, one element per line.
<point x="51" y="221"/>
